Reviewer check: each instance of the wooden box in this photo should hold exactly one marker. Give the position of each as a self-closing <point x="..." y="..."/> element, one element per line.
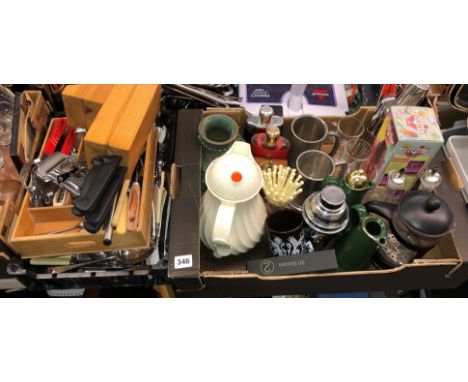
<point x="31" y="121"/>
<point x="27" y="238"/>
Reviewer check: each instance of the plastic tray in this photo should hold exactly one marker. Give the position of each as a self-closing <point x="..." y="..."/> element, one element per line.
<point x="457" y="148"/>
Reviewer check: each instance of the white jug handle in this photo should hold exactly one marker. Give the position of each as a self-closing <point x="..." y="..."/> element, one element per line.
<point x="222" y="228"/>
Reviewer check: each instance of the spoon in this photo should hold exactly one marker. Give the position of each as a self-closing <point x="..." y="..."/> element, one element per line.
<point x="63" y="230"/>
<point x="127" y="257"/>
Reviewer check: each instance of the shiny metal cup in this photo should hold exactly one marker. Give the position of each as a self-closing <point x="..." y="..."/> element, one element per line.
<point x="314" y="166"/>
<point x="309" y="132"/>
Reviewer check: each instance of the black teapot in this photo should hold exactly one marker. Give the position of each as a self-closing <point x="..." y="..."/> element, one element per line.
<point x="418" y="222"/>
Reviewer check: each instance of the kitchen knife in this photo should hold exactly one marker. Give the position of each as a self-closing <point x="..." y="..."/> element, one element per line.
<point x="96" y="183"/>
<point x="95" y="219"/>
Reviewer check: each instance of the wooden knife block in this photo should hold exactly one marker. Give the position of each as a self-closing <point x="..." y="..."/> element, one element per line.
<point x="129" y="137"/>
<point x="123" y="124"/>
<point x="106" y="121"/>
<point x="83" y="102"/>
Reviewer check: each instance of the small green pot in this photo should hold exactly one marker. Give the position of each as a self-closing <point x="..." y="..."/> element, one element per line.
<point x="353" y="196"/>
<point x="355" y="248"/>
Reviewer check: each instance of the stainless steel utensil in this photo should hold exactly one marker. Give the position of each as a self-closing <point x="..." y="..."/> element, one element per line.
<point x="412" y="94"/>
<point x="206" y="96"/>
<point x="128" y="257"/>
<point x="109" y="228"/>
<point x="62" y="230"/>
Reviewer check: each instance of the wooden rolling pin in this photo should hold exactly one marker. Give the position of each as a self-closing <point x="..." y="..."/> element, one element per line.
<point x="452" y="173"/>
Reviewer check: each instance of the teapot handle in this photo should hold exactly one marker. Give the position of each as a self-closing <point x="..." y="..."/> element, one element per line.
<point x="331" y="180"/>
<point x="343" y="166"/>
<point x="222" y="229"/>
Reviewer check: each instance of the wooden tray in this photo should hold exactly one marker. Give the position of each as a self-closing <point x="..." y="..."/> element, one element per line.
<point x="28" y="241"/>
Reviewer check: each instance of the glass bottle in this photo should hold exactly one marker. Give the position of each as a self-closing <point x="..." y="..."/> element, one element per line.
<point x="259" y="123"/>
<point x="270" y="145"/>
<point x="395" y="186"/>
<point x="430" y="179"/>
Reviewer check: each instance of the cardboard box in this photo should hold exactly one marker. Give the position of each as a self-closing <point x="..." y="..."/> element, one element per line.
<point x="83" y="102"/>
<point x="443" y="267"/>
<point x="408" y="139"/>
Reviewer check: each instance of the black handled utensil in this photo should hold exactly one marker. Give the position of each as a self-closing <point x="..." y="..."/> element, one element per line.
<point x="96" y="183"/>
<point x="95" y="219"/>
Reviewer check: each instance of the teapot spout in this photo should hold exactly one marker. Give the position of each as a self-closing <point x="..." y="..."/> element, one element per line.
<point x="368" y="186"/>
<point x="383" y="209"/>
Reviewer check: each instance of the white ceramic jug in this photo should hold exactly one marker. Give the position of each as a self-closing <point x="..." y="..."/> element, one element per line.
<point x="233" y="213"/>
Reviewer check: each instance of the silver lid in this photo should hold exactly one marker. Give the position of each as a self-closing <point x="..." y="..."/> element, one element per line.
<point x="266" y="113"/>
<point x="431" y="178"/>
<point x="265" y="118"/>
<point x="333" y="196"/>
<point x="326" y="211"/>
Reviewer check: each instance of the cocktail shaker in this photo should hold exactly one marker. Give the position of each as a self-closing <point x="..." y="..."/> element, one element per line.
<point x="326" y="214"/>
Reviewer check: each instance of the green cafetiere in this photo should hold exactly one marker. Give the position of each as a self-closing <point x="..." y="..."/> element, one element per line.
<point x="363" y="235"/>
<point x="355" y="185"/>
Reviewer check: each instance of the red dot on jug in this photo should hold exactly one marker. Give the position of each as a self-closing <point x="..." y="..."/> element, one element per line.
<point x="236" y="176"/>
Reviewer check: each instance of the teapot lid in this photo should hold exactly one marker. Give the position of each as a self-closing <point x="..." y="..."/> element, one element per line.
<point x="426" y="214"/>
<point x="235" y="176"/>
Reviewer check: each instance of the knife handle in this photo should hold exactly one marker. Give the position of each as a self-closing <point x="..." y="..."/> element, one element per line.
<point x="69" y="142"/>
<point x="96" y="218"/>
<point x="133" y="207"/>
<point x="55" y="136"/>
<point x="96" y="183"/>
<point x="159" y="199"/>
